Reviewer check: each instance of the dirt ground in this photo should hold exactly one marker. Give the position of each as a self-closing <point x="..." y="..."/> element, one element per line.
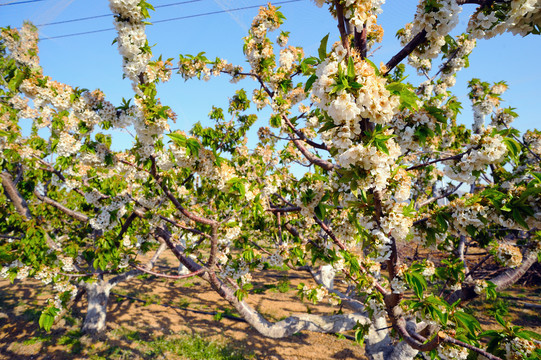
<point x="166" y="308"/>
<point x="150" y="310"/>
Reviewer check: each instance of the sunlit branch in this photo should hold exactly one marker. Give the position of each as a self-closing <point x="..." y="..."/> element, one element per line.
<point x="307" y="154"/>
<point x="406" y="50"/>
<point x="10" y="190"/>
<point x="176" y="277"/>
<point x="74" y="214"/>
<point x="454" y="157"/>
<point x="442" y="196"/>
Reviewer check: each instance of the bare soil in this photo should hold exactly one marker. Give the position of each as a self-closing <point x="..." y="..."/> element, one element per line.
<point x="148" y="309"/>
<point x="166" y="308"/>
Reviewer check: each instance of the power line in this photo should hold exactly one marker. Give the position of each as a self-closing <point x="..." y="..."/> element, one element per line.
<point x="173" y="19"/>
<point x="21" y="2"/>
<point x="221" y="11"/>
<point x="108" y="15"/>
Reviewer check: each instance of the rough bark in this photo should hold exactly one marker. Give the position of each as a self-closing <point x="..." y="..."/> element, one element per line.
<point x="11" y="192"/>
<point x="502" y="281"/>
<point x="98" y="296"/>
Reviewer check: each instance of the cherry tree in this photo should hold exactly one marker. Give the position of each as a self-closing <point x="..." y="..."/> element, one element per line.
<point x="388" y="169"/>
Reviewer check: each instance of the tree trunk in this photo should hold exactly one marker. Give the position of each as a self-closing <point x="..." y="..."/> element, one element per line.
<point x="98" y="296"/>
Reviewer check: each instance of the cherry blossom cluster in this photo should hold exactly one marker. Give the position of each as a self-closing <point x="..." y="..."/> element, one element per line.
<point x="437" y="19"/>
<point x="455" y="59"/>
<point x="407" y="123"/>
<point x="257" y="46"/>
<point x="23" y="45"/>
<point x="452" y="352"/>
<point x="362" y="13"/>
<point x="515" y="16"/>
<point x="311" y="195"/>
<point x="517" y="348"/>
<point x="488" y="149"/>
<point x="315" y="293"/>
<point x="398" y="284"/>
<point x="507" y="254"/>
<point x="131" y="38"/>
<point x="484" y="99"/>
<point x="348" y="106"/>
<point x="465" y="214"/>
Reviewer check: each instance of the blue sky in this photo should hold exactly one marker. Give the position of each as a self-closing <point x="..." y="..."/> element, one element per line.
<point x="90" y="61"/>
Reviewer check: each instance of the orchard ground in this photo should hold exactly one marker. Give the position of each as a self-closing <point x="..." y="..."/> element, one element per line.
<point x="157" y="318"/>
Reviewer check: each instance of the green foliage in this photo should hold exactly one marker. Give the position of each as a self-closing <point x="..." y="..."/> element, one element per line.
<point x="47" y="317"/>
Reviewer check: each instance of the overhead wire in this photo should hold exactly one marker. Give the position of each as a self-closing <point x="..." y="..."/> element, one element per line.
<point x="172" y="19"/>
<point x="108" y="15"/>
<point x="20" y="2"/>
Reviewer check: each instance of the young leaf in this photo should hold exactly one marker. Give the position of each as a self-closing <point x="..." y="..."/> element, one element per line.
<point x="322" y="51"/>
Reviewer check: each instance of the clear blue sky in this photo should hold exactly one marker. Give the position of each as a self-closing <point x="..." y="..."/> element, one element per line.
<point x="90" y="61"/>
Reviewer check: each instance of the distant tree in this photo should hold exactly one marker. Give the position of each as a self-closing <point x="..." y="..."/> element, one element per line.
<point x="395" y="196"/>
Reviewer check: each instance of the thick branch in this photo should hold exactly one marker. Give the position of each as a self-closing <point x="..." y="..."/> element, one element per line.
<point x="176" y="277"/>
<point x="10" y="190"/>
<point x="342" y="26"/>
<point x="285" y="209"/>
<point x="179" y="206"/>
<point x="502" y="281"/>
<point x="511" y="276"/>
<point x="408" y="49"/>
<point x="360" y="41"/>
<point x="284" y="328"/>
<point x="132" y="273"/>
<point x="290" y="325"/>
<point x="74" y="214"/>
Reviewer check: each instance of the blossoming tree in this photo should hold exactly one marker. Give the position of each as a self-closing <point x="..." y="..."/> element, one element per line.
<point x="388" y="169"/>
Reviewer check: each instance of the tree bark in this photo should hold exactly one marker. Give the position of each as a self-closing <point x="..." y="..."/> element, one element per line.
<point x="98" y="297"/>
<point x="11" y="192"/>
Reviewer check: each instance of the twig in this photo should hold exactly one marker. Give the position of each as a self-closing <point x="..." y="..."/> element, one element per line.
<point x="447" y="338"/>
<point x="454" y="157"/>
<point x="431" y="200"/>
<point x="195" y="273"/>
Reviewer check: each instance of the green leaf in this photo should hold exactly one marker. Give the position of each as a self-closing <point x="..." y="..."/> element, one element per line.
<point x="47" y="317"/>
<point x="500" y="320"/>
<point x="517" y="216"/>
<point x="467" y="322"/>
<point x="408" y="98"/>
<point x="309" y="83"/>
<point x="528" y="335"/>
<point x="276" y="121"/>
<point x="322" y="51"/>
<point x="351" y="69"/>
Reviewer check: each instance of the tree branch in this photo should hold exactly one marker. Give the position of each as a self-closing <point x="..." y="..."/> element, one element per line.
<point x="11" y="192"/>
<point x="74" y="214"/>
<point x="431" y="200"/>
<point x="406" y="50"/>
<point x="341" y="26"/>
<point x="177" y="203"/>
<point x="448" y="339"/>
<point x="307" y="154"/>
<point x="176" y="277"/>
<point x="502" y="281"/>
<point x="454" y="157"/>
